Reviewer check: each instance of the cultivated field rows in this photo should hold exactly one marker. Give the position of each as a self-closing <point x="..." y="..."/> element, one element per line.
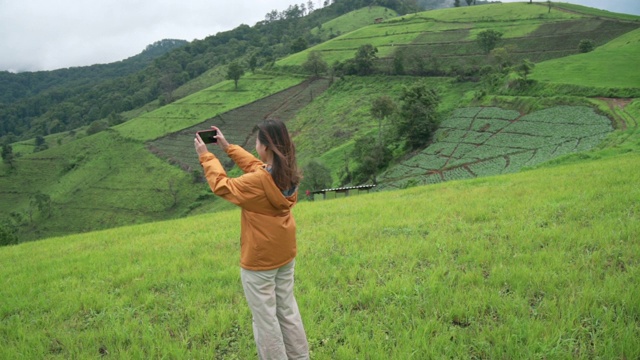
<point x="238" y="125"/>
<point x="483" y="141"/>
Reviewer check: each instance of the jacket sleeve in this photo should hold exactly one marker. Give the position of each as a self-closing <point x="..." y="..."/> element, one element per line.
<point x="244" y="159"/>
<point x="238" y="190"/>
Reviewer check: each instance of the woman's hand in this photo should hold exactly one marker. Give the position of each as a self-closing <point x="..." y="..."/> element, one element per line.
<point x="201" y="147"/>
<point x="221" y="141"/>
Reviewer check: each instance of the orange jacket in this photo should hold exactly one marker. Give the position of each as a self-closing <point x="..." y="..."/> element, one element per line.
<point x="268" y="230"/>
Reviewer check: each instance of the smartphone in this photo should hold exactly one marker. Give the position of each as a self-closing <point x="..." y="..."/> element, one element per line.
<point x="208" y="136"/>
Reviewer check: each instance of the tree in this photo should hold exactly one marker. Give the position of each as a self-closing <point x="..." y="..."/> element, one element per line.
<point x="365" y="59"/>
<point x="235" y="72"/>
<point x="488" y="39"/>
<point x="525" y="68"/>
<point x="7" y="155"/>
<point x="381" y="108"/>
<point x="41" y="144"/>
<point x="316" y="176"/>
<point x="502" y="56"/>
<point x="299" y="44"/>
<point x="469" y="2"/>
<point x="418" y="115"/>
<point x="586" y="46"/>
<point x="42" y="202"/>
<point x="8" y="233"/>
<point x="456" y="3"/>
<point x="253" y="63"/>
<point x="398" y="62"/>
<point x="371" y="158"/>
<point x="315" y="64"/>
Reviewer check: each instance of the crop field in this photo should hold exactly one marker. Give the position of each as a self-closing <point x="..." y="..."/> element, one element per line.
<point x="482" y="141"/>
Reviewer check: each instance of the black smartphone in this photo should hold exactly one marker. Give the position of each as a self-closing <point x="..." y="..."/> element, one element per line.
<point x="208" y="136"/>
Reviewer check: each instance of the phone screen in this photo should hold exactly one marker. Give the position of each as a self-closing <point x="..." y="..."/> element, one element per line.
<point x="208" y="136"/>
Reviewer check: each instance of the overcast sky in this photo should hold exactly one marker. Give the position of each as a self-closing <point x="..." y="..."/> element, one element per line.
<point x="53" y="34"/>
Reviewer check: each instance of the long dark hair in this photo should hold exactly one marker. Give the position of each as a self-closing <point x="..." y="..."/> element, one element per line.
<point x="284" y="170"/>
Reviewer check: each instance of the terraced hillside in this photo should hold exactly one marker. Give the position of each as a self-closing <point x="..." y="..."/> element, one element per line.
<point x="439" y="40"/>
<point x="238" y="124"/>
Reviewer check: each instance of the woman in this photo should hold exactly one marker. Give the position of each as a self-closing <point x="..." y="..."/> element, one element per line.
<point x="266" y="193"/>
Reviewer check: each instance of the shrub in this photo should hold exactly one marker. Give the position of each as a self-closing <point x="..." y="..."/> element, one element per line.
<point x="586" y="46"/>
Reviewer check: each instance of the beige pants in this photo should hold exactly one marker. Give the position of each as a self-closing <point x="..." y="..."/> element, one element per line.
<point x="277" y="325"/>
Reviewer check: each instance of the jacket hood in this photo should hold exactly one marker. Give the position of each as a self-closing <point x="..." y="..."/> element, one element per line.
<point x="275" y="196"/>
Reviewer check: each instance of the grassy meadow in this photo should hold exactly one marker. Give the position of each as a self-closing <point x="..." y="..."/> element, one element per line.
<point x="538" y="264"/>
<point x="610" y="65"/>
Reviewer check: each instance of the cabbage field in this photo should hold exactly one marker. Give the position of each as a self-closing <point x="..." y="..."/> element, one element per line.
<point x="483" y="141"/>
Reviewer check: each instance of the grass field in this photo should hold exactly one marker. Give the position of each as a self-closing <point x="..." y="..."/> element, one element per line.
<point x="607" y="66"/>
<point x="352" y="21"/>
<point x="539" y="264"/>
<point x="204" y="105"/>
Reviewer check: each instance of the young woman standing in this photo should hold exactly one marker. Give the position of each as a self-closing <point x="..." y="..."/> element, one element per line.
<point x="266" y="192"/>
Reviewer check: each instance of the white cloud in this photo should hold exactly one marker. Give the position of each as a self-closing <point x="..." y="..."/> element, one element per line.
<point x="46" y="35"/>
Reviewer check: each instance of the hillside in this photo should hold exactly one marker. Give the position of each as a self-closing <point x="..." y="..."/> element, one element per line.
<point x="608" y="66"/>
<point x="538" y="264"/>
<point x="14" y="87"/>
<point x="113" y="178"/>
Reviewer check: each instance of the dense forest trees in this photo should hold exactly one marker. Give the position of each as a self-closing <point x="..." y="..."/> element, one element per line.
<point x="42" y="103"/>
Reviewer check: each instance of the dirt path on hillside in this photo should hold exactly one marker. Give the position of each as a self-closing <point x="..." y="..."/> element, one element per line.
<point x="620" y="104"/>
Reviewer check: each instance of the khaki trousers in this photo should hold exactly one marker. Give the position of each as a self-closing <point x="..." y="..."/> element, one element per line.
<point x="277" y="325"/>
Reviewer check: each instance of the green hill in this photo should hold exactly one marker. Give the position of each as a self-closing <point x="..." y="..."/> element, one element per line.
<point x="539" y="264"/>
<point x="608" y="66"/>
<point x="446" y="38"/>
<point x="145" y="168"/>
<point x="352" y="21"/>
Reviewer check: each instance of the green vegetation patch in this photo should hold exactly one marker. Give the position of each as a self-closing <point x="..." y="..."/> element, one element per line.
<point x="497" y="12"/>
<point x="611" y="65"/>
<point x="352" y="21"/>
<point x="203" y="105"/>
<point x="489" y="141"/>
<point x="595" y="12"/>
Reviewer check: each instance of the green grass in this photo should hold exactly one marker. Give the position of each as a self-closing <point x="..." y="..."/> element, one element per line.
<point x="204" y="105"/>
<point x="497" y="12"/>
<point x="610" y="65"/>
<point x="352" y="21"/>
<point x="540" y="264"/>
<point x="99" y="181"/>
<point x="595" y="12"/>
